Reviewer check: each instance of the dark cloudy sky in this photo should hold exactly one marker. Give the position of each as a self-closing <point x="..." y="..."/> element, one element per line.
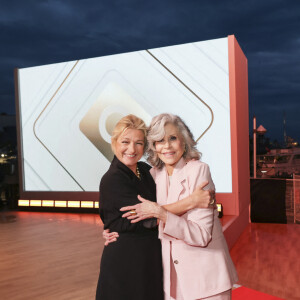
<point x="37" y="32"/>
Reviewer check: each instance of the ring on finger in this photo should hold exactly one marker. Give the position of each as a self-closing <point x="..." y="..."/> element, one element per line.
<point x="133" y="212"/>
<point x="212" y="202"/>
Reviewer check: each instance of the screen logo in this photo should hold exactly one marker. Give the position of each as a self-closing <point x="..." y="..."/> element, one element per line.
<point x="112" y="104"/>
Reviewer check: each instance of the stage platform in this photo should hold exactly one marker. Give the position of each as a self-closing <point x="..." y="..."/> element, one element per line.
<point x="57" y="255"/>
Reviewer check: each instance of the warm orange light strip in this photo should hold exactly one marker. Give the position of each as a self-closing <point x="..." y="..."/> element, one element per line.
<point x="73" y="203"/>
<point x="87" y="204"/>
<point x="60" y="203"/>
<point x="48" y="203"/>
<point x="36" y="203"/>
<point x="23" y="202"/>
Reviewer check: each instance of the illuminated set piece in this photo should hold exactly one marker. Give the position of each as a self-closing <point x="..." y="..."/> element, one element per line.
<point x="59" y="203"/>
<point x="48" y="203"/>
<point x="77" y="103"/>
<point x="23" y="203"/>
<point x="87" y="204"/>
<point x="36" y="203"/>
<point x="81" y="101"/>
<point x="220" y="210"/>
<point x="73" y="203"/>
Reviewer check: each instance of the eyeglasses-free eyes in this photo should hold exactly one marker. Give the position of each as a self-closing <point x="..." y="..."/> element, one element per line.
<point x="171" y="139"/>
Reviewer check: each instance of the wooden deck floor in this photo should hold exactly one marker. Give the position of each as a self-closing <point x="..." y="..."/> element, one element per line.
<point x="49" y="256"/>
<point x="56" y="256"/>
<point x="267" y="259"/>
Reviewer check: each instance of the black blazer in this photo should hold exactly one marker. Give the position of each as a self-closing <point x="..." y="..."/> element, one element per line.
<point x="131" y="267"/>
<point x="120" y="187"/>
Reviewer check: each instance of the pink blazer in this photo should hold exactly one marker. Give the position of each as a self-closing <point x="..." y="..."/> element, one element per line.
<point x="199" y="251"/>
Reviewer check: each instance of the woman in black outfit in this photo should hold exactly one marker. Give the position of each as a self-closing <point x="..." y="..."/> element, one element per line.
<point x="131" y="268"/>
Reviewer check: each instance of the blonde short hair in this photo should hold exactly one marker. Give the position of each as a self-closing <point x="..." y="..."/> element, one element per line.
<point x="128" y="122"/>
<point x="156" y="132"/>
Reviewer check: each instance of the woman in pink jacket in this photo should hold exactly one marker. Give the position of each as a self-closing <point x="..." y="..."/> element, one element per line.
<point x="196" y="260"/>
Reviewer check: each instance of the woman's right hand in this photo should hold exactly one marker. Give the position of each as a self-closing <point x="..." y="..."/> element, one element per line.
<point x="203" y="198"/>
<point x="144" y="210"/>
<point x="109" y="237"/>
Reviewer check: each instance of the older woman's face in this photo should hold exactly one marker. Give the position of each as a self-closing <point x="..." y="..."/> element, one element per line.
<point x="171" y="148"/>
<point x="129" y="147"/>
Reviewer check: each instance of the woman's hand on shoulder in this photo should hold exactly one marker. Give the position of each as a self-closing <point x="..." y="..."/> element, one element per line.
<point x="203" y="198"/>
<point x="109" y="237"/>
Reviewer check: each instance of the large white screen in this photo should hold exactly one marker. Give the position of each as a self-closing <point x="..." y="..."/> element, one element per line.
<point x="68" y="109"/>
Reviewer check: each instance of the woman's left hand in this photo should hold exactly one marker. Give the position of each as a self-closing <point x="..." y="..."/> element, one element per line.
<point x="109" y="237"/>
<point x="203" y="198"/>
<point x="144" y="210"/>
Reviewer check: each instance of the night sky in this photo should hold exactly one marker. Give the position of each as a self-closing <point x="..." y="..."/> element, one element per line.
<point x="268" y="31"/>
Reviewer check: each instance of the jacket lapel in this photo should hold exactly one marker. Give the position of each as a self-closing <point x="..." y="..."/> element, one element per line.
<point x="177" y="182"/>
<point x="162" y="186"/>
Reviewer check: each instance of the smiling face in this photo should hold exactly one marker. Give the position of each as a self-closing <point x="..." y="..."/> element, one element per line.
<point x="129" y="147"/>
<point x="171" y="148"/>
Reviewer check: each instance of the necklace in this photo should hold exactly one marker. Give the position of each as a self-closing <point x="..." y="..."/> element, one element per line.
<point x="138" y="174"/>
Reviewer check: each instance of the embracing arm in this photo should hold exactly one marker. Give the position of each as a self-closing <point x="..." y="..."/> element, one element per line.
<point x="203" y="196"/>
<point x="200" y="198"/>
<point x="196" y="228"/>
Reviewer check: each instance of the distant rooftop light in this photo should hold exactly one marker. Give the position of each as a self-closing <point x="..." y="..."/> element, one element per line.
<point x="261" y="130"/>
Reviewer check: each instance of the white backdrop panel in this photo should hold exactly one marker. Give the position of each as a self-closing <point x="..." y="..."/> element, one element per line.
<point x="68" y="110"/>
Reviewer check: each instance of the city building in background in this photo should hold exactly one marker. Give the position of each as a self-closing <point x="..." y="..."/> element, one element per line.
<point x="8" y="161"/>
